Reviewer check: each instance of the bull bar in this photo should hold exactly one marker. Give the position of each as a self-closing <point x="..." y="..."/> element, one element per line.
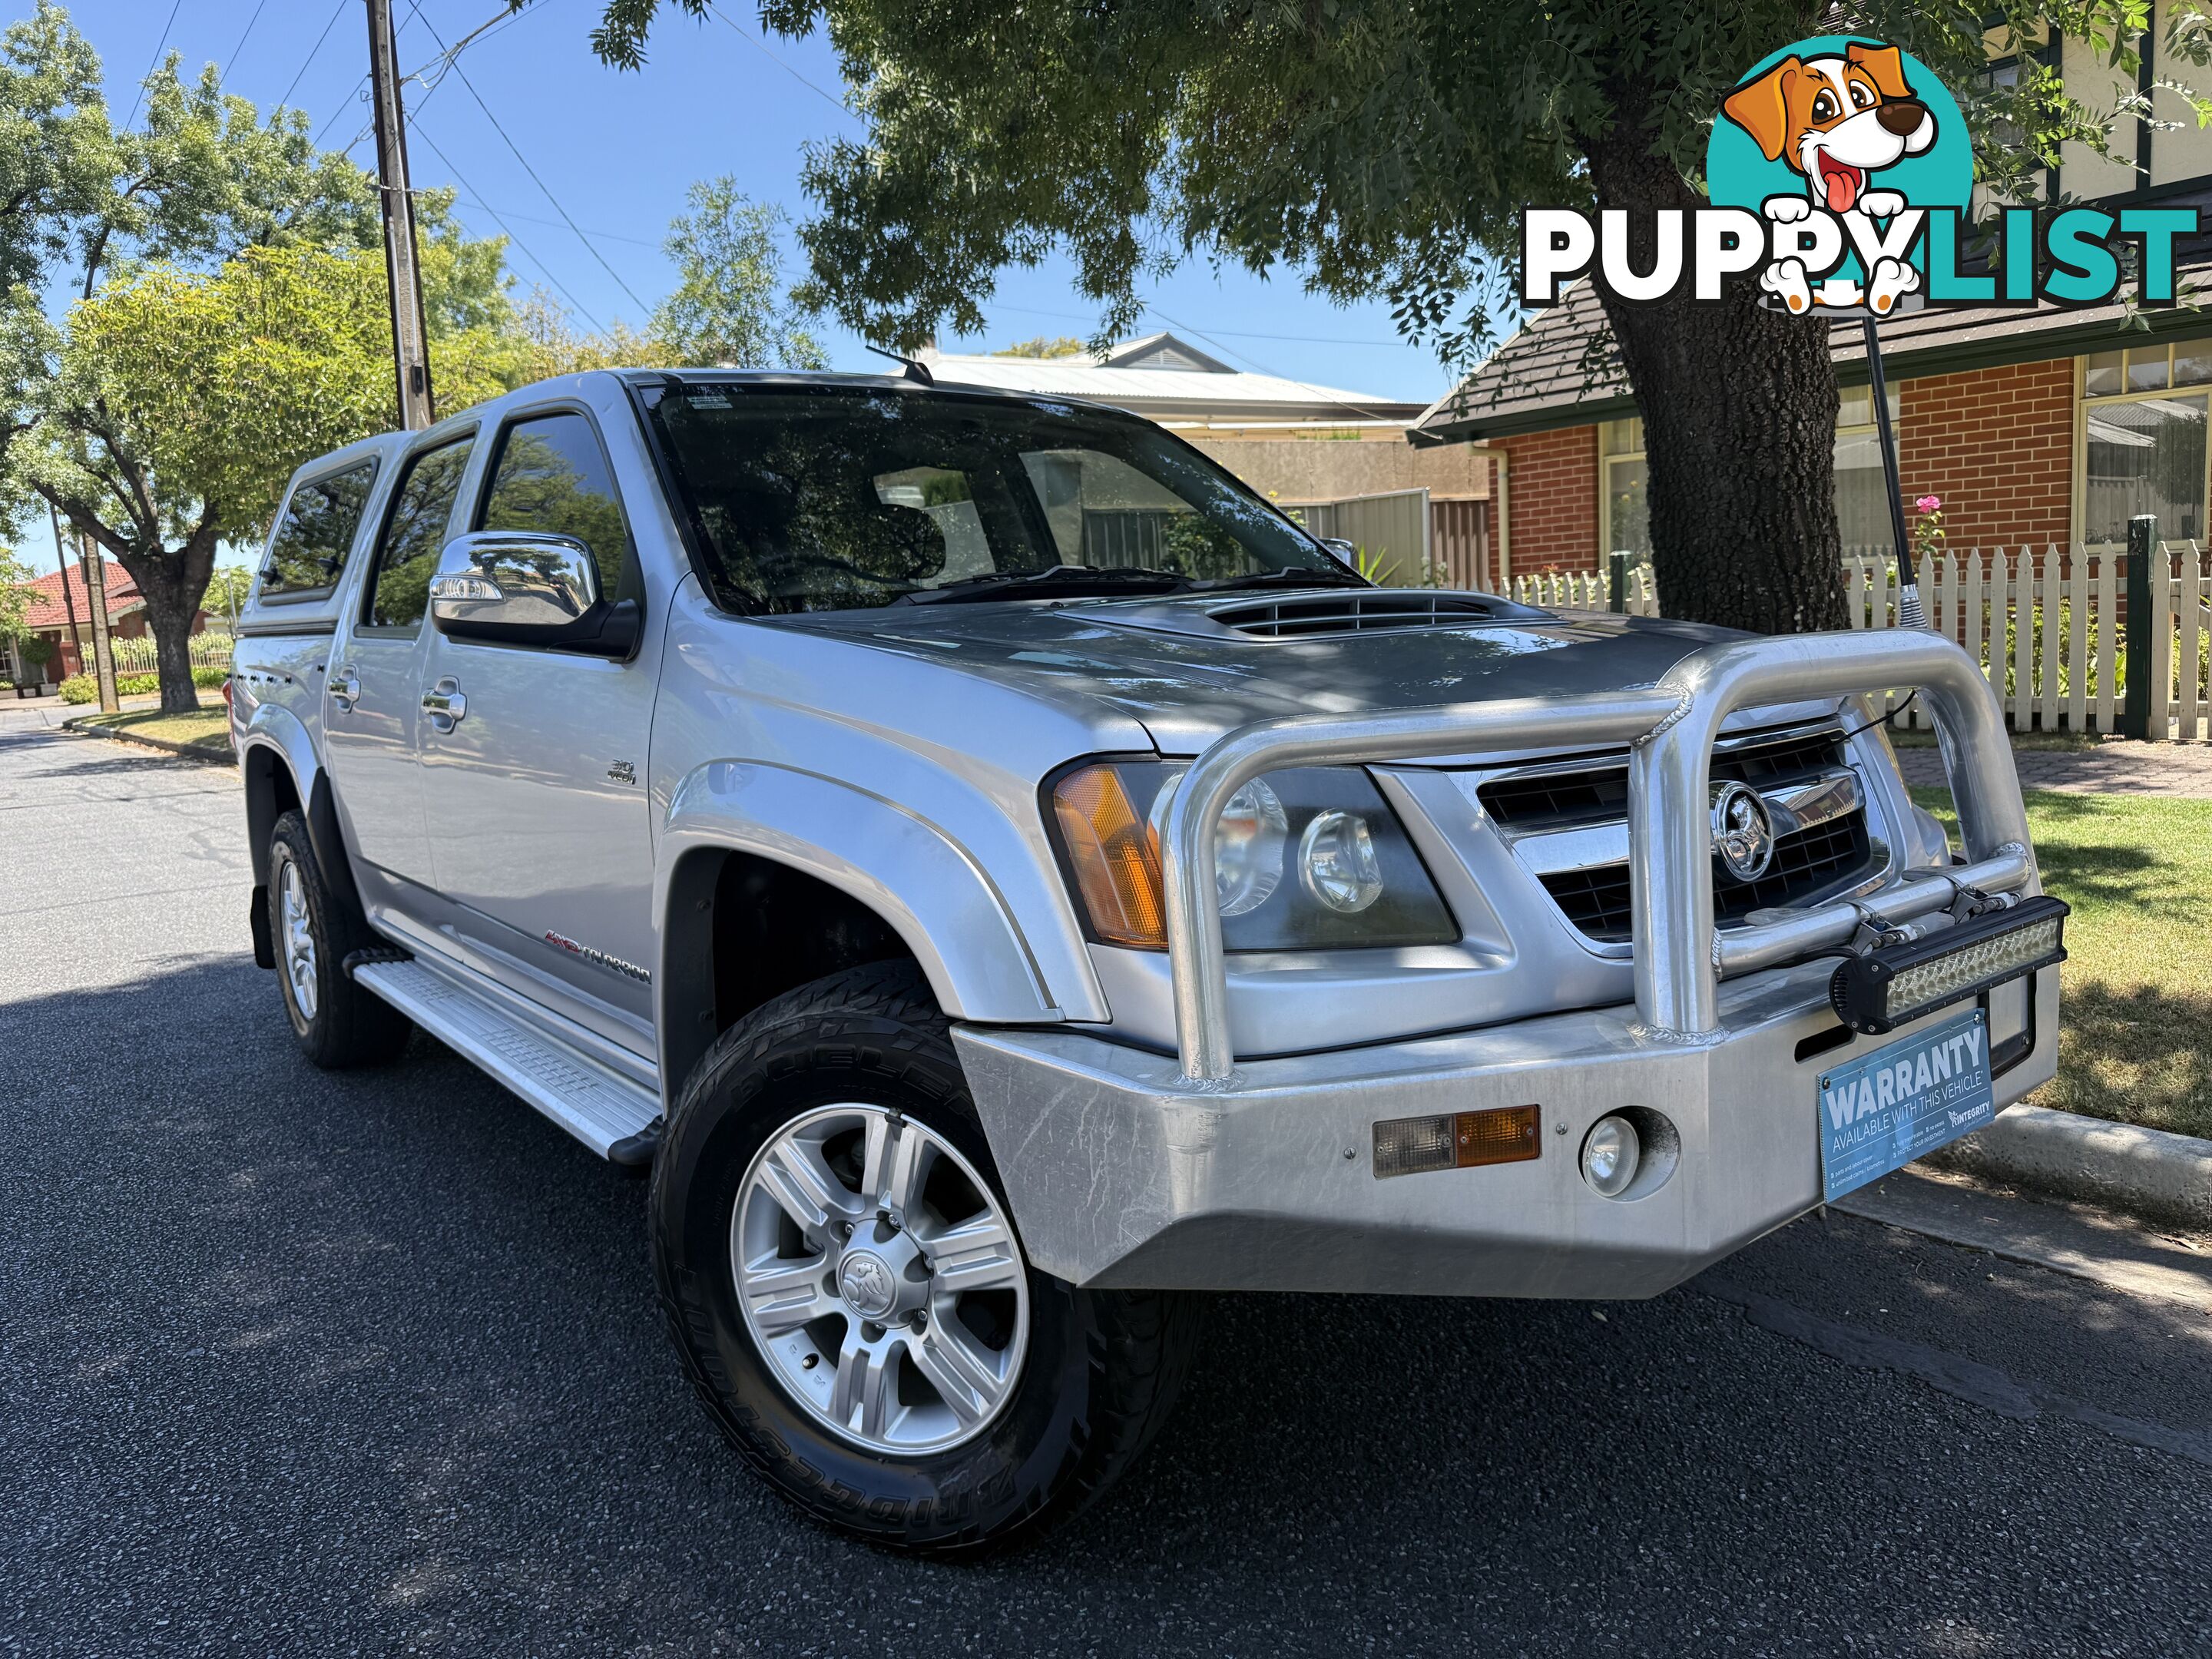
<point x="1679" y="957"/>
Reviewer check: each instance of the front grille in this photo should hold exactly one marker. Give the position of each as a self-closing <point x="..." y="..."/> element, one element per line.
<point x="1806" y="861"/>
<point x="1596" y="900"/>
<point x="1361" y="612"/>
<point x="1558" y="800"/>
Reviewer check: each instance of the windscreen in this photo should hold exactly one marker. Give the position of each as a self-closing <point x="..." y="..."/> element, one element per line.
<point x="831" y="501"/>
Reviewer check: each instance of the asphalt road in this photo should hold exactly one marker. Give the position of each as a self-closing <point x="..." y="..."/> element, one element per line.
<point x="299" y="1364"/>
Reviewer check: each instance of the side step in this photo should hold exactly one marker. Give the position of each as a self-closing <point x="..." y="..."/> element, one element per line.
<point x="588" y="1101"/>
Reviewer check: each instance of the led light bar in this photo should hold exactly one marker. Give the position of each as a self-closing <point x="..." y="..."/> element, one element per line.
<point x="1456" y="1140"/>
<point x="1897" y="983"/>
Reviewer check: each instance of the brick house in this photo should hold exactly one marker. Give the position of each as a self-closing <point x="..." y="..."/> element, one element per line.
<point x="2036" y="427"/>
<point x="58" y="597"/>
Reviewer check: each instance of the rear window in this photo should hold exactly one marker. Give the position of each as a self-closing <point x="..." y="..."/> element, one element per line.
<point x="829" y="501"/>
<point x="316" y="532"/>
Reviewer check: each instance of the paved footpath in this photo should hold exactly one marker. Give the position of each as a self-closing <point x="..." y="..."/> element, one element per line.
<point x="301" y="1362"/>
<point x="2114" y="768"/>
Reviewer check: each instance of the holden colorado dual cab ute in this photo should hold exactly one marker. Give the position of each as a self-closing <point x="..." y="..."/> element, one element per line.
<point x="1004" y="878"/>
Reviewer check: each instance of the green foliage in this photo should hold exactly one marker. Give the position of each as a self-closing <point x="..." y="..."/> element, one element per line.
<point x="1045" y="345"/>
<point x="729" y="308"/>
<point x="15" y="592"/>
<point x="35" y="649"/>
<point x="1368" y="146"/>
<point x="85" y="688"/>
<point x="229" y="321"/>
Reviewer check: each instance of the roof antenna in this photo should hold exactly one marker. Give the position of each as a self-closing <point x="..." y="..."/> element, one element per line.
<point x="915" y="368"/>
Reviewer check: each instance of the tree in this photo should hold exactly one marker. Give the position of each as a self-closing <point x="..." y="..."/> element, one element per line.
<point x="15" y="595"/>
<point x="200" y="363"/>
<point x="181" y="401"/>
<point x="1389" y="148"/>
<point x="729" y="308"/>
<point x="1061" y="345"/>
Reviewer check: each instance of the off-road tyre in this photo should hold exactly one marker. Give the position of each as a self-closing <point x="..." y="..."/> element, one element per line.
<point x="347" y="1027"/>
<point x="1102" y="1368"/>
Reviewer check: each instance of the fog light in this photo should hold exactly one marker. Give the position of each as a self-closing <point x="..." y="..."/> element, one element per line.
<point x="1611" y="1152"/>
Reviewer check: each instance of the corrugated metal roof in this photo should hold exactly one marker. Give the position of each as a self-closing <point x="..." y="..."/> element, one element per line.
<point x="1562" y="369"/>
<point x="1165" y="393"/>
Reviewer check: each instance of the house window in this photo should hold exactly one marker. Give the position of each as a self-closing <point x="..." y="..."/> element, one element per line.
<point x="1625" y="524"/>
<point x="1861" y="497"/>
<point x="2142" y="446"/>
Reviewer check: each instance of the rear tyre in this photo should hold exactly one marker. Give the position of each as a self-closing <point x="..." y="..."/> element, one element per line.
<point x="849" y="1296"/>
<point x="339" y="1024"/>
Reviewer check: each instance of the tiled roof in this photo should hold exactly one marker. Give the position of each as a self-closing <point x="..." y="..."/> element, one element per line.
<point x="46" y="608"/>
<point x="1562" y="369"/>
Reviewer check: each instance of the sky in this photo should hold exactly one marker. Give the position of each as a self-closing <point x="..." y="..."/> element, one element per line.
<point x="541" y="135"/>
<point x="617" y="152"/>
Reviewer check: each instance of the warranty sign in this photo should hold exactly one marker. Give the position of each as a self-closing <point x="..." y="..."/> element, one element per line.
<point x="1904" y="1101"/>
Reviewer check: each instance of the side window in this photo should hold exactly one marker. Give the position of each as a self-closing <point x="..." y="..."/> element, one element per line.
<point x="313" y="537"/>
<point x="551" y="478"/>
<point x="407" y="557"/>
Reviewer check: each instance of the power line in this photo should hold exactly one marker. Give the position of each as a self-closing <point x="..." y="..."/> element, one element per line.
<point x="231" y="62"/>
<point x="532" y="219"/>
<point x="541" y="184"/>
<point x="312" y="50"/>
<point x="841" y="105"/>
<point x="423" y="134"/>
<point x="155" y="65"/>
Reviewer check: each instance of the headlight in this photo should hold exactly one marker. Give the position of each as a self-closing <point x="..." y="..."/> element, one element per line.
<point x="1306" y="859"/>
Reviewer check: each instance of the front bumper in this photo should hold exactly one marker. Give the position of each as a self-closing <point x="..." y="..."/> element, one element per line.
<point x="1122" y="1172"/>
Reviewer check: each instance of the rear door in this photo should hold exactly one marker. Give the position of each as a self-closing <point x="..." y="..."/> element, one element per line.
<point x="535" y="793"/>
<point x="372" y="700"/>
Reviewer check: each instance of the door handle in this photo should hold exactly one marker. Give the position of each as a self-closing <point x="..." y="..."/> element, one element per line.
<point x="345" y="689"/>
<point x="445" y="704"/>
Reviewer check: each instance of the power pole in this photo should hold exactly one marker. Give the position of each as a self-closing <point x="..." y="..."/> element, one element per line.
<point x="410" y="345"/>
<point x="103" y="649"/>
<point x="69" y="599"/>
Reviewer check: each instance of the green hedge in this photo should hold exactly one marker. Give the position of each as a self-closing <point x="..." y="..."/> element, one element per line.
<point x="82" y="687"/>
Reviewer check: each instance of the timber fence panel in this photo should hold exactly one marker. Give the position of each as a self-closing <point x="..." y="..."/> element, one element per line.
<point x="2023" y="640"/>
<point x="2050" y="626"/>
<point x="2108" y="636"/>
<point x="2078" y="639"/>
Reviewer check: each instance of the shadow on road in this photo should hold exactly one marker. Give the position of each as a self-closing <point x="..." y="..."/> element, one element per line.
<point x="301" y="1361"/>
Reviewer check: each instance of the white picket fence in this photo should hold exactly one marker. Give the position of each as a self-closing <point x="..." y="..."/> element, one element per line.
<point x="2049" y="628"/>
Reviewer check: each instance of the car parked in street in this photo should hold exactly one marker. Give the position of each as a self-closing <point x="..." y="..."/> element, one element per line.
<point x="1005" y="879"/>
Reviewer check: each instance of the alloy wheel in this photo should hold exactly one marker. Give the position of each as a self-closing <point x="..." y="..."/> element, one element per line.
<point x="881" y="1276"/>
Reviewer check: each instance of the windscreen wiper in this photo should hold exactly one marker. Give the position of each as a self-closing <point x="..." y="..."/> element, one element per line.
<point x="1050" y="582"/>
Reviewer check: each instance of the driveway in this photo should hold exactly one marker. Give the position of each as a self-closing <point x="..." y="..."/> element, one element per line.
<point x="300" y="1364"/>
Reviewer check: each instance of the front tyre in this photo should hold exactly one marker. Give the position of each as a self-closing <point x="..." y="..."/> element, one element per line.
<point x="338" y="1024"/>
<point x="848" y="1295"/>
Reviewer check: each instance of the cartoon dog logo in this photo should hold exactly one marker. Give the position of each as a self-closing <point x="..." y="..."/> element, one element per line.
<point x="1836" y="120"/>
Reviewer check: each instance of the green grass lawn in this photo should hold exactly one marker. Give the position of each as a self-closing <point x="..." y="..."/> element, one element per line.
<point x="208" y="730"/>
<point x="2135" y="1039"/>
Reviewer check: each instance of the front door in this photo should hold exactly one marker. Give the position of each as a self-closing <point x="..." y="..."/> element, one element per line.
<point x="533" y="760"/>
<point x="372" y="696"/>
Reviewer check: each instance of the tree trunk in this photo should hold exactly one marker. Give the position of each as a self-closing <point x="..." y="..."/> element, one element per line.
<point x="172" y="583"/>
<point x="1739" y="407"/>
<point x="172" y="654"/>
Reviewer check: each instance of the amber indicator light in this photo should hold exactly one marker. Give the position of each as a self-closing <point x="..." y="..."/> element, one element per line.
<point x="1117" y="861"/>
<point x="1458" y="1140"/>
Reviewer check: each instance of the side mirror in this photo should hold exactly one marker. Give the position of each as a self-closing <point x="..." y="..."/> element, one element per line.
<point x="1343" y="551"/>
<point x="514" y="587"/>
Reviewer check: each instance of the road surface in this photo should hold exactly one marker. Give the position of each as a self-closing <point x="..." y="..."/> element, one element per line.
<point x="293" y="1363"/>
